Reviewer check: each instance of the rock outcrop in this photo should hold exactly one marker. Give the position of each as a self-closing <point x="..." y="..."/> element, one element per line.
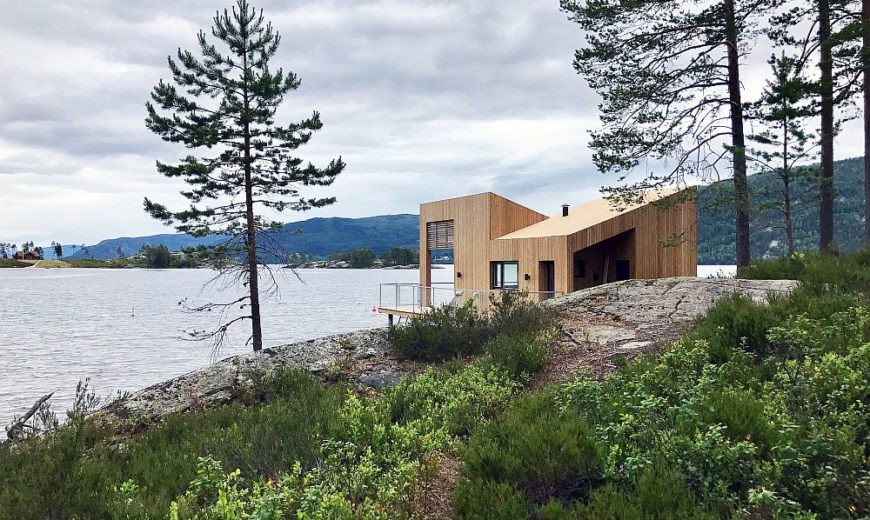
<point x="598" y="324"/>
<point x="623" y="319"/>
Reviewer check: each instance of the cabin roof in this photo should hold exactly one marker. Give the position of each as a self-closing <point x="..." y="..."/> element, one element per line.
<point x="584" y="216"/>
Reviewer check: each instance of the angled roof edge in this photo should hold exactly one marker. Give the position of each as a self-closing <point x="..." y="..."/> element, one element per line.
<point x="585" y="216"/>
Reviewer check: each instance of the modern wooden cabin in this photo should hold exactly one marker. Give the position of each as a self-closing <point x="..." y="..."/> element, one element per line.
<point x="498" y="244"/>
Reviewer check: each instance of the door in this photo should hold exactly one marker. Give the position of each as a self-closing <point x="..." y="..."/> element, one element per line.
<point x="623" y="270"/>
<point x="547" y="285"/>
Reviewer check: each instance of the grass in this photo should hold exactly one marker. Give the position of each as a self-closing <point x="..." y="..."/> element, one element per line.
<point x="10" y="263"/>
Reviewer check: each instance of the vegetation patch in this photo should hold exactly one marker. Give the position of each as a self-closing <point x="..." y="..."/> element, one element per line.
<point x="8" y="262"/>
<point x="451" y="331"/>
<point x="761" y="412"/>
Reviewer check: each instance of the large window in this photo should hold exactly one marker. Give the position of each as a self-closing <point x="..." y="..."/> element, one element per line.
<point x="505" y="275"/>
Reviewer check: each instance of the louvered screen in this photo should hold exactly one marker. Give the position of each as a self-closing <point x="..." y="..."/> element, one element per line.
<point x="439" y="235"/>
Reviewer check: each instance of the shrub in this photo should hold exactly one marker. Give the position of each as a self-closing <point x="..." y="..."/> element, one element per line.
<point x="657" y="493"/>
<point x="535" y="450"/>
<point x="521" y="355"/>
<point x="514" y="313"/>
<point x="444" y="333"/>
<point x="452" y="331"/>
<point x="78" y="471"/>
<point x="817" y="272"/>
<point x="369" y="466"/>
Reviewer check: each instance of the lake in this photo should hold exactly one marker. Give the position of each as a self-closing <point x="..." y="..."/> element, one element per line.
<point x="123" y="328"/>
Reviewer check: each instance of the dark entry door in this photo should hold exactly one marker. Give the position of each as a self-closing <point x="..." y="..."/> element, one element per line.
<point x="623" y="270"/>
<point x="548" y="278"/>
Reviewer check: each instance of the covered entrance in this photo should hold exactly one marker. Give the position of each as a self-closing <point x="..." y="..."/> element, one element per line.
<point x="607" y="261"/>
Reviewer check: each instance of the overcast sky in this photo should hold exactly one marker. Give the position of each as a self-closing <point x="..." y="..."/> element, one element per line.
<point x="422" y="99"/>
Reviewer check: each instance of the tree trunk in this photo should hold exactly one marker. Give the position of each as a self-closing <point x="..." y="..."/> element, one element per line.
<point x="865" y="16"/>
<point x="251" y="232"/>
<point x="786" y="191"/>
<point x="826" y="99"/>
<point x="738" y="141"/>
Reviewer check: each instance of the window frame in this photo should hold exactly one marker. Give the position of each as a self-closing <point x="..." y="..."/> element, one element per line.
<point x="497" y="275"/>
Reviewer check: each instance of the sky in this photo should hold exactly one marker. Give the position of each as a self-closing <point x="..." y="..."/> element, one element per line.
<point x="422" y="99"/>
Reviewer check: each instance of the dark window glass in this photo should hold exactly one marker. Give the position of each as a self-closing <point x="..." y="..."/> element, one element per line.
<point x="505" y="275"/>
<point x="579" y="269"/>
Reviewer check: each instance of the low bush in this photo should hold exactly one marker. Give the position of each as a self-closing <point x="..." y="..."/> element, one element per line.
<point x="79" y="471"/>
<point x="514" y="313"/>
<point x="520" y="355"/>
<point x="446" y="332"/>
<point x="450" y="331"/>
<point x="816" y="271"/>
<point x="535" y="451"/>
<point x="369" y="467"/>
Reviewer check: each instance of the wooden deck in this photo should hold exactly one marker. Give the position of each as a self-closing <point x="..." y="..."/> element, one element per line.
<point x="407" y="311"/>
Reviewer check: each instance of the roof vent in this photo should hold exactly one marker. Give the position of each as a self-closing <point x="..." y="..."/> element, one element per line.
<point x="564" y="210"/>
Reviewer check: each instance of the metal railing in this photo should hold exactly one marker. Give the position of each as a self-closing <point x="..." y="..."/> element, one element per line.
<point x="417" y="299"/>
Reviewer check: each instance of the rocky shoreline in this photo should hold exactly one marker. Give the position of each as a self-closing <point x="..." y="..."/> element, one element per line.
<point x="618" y="319"/>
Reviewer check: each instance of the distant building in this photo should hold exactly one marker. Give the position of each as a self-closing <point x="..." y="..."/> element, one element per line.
<point x="28" y="255"/>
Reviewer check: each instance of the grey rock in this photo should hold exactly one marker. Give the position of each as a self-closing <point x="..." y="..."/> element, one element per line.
<point x="213" y="384"/>
<point x="382" y="376"/>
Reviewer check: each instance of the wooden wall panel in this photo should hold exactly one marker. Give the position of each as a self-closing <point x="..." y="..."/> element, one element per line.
<point x="507" y="216"/>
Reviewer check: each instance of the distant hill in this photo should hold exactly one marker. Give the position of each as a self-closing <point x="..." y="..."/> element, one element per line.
<point x="716" y="225"/>
<point x="317" y="236"/>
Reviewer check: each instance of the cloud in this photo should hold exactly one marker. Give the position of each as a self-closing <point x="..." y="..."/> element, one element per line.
<point x="422" y="98"/>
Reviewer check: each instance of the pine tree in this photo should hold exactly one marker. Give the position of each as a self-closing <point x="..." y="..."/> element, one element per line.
<point x="830" y="41"/>
<point x="669" y="76"/>
<point x="784" y="140"/>
<point x="224" y="103"/>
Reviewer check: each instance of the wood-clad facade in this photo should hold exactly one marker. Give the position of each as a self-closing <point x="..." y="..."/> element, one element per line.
<point x="493" y="237"/>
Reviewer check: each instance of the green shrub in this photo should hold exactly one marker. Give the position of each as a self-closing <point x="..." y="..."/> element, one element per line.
<point x="450" y="331"/>
<point x="446" y="332"/>
<point x="513" y="313"/>
<point x="657" y="493"/>
<point x="368" y="467"/>
<point x="534" y="450"/>
<point x="486" y="500"/>
<point x="521" y="355"/>
<point x="817" y="272"/>
<point x="79" y="471"/>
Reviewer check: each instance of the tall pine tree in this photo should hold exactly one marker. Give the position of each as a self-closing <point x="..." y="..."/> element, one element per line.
<point x="784" y="141"/>
<point x="669" y="75"/>
<point x="223" y="104"/>
<point x="829" y="40"/>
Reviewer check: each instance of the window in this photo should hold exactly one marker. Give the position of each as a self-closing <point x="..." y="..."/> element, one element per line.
<point x="505" y="275"/>
<point x="579" y="269"/>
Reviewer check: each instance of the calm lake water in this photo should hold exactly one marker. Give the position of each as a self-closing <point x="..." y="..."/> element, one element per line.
<point x="59" y="326"/>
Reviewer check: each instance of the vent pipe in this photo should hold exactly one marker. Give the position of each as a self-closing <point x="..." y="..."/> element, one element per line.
<point x="564" y="210"/>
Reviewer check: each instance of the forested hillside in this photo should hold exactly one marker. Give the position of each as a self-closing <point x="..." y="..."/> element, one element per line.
<point x="317" y="236"/>
<point x="716" y="223"/>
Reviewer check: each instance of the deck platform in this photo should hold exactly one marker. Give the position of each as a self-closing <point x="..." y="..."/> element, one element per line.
<point x="408" y="311"/>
